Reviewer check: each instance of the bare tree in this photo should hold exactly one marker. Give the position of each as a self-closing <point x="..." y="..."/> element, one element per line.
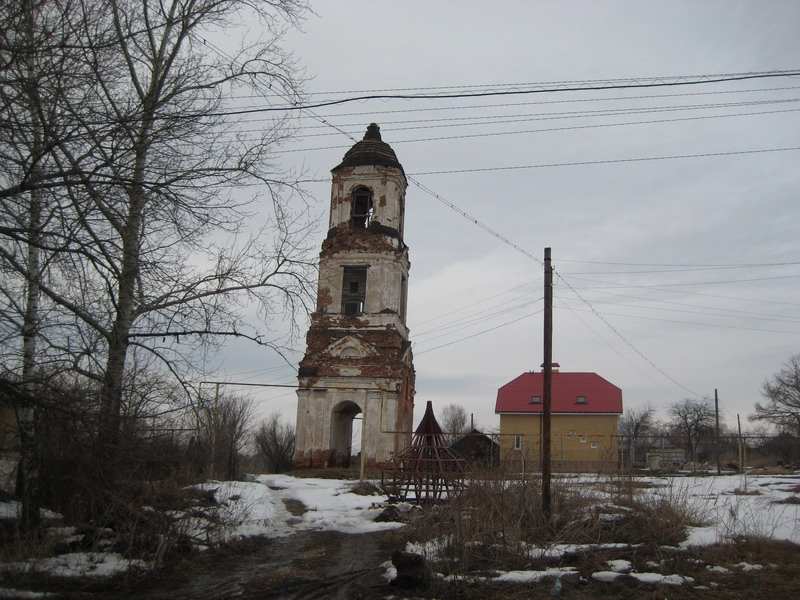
<point x="691" y="419"/>
<point x="453" y="422"/>
<point x="223" y="423"/>
<point x="782" y="395"/>
<point x="38" y="69"/>
<point x="275" y="441"/>
<point x="633" y="424"/>
<point x="156" y="257"/>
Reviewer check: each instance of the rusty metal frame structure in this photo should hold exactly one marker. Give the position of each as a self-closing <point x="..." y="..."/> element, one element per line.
<point x="428" y="471"/>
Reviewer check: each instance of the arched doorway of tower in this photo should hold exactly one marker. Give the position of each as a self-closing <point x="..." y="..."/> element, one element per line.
<point x="345" y="426"/>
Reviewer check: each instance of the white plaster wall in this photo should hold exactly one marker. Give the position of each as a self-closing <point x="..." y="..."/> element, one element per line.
<point x="378" y="409"/>
<point x="303" y="428"/>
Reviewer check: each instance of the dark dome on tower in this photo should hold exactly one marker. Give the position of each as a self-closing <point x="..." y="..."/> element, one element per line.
<point x="370" y="151"/>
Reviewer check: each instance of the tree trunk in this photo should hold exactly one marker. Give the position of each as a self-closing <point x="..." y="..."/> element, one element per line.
<point x="111" y="398"/>
<point x="27" y="474"/>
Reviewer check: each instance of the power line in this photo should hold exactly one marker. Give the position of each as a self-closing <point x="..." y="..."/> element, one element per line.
<point x="683" y="269"/>
<point x="326" y="93"/>
<point x="469" y="217"/>
<point x="608" y="161"/>
<point x="467" y="136"/>
<point x="666" y="288"/>
<point x="703" y="79"/>
<point x="611" y="347"/>
<point x="561" y="101"/>
<point x="455" y="310"/>
<point x="521" y="250"/>
<point x="682" y="265"/>
<point x="480" y="332"/>
<point x="472" y="319"/>
<point x="542" y="88"/>
<point x="582" y="163"/>
<point x="482" y="120"/>
<point x="736" y="312"/>
<point x="751" y="315"/>
<point x="622" y="337"/>
<point x="719" y="282"/>
<point x="694" y="323"/>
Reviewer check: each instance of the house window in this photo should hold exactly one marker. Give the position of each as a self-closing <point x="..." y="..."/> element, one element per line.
<point x="361" y="208"/>
<point x="580" y="400"/>
<point x="354" y="290"/>
<point x="593" y="444"/>
<point x="583" y="439"/>
<point x="517" y="442"/>
<point x="573" y="433"/>
<point x="536" y="399"/>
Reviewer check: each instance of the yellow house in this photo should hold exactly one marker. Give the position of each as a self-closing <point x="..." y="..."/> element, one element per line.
<point x="585" y="410"/>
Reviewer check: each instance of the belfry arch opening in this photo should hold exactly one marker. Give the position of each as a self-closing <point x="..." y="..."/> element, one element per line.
<point x="361" y="208"/>
<point x="343" y="445"/>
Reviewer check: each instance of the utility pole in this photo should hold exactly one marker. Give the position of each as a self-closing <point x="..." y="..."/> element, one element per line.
<point x="214" y="424"/>
<point x="740" y="445"/>
<point x="547" y="384"/>
<point x="716" y="429"/>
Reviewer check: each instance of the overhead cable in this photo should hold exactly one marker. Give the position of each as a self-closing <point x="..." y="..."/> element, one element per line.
<point x="543" y="88"/>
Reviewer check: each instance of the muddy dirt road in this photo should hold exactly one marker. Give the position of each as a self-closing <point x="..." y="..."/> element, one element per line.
<point x="305" y="565"/>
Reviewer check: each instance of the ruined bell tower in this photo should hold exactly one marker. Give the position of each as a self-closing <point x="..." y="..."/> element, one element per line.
<point x="358" y="356"/>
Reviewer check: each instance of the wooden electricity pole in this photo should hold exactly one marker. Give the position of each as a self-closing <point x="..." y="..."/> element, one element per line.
<point x="547" y="384"/>
<point x="716" y="430"/>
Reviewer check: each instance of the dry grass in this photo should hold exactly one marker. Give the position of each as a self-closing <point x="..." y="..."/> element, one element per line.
<point x="497" y="522"/>
<point x="744" y="492"/>
<point x="365" y="488"/>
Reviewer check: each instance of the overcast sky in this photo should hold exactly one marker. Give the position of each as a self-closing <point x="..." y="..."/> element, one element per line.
<point x="674" y="277"/>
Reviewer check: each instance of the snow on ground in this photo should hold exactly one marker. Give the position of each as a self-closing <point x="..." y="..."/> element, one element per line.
<point x="14" y="593"/>
<point x="11" y="510"/>
<point x="533" y="576"/>
<point x="732" y="505"/>
<point x="330" y="504"/>
<point x="736" y="506"/>
<point x="659" y="579"/>
<point x="76" y="564"/>
<point x="257" y="508"/>
<point x="620" y="565"/>
<point x="561" y="550"/>
<point x="245" y="509"/>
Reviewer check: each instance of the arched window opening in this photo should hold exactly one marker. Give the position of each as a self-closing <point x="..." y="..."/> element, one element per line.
<point x="345" y="433"/>
<point x="361" y="208"/>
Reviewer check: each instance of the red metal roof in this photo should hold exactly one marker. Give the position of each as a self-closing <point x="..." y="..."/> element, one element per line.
<point x="601" y="395"/>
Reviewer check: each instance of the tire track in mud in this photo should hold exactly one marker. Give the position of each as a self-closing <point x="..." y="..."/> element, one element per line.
<point x="306" y="565"/>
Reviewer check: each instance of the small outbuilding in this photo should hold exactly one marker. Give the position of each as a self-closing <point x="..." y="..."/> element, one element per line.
<point x="478" y="448"/>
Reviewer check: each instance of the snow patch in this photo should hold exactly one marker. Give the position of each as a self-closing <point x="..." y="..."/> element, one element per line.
<point x="659" y="579"/>
<point x="77" y="564"/>
<point x="532" y="576"/>
<point x="620" y="565"/>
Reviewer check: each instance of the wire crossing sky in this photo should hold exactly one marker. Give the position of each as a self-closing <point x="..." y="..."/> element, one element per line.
<point x="675" y="209"/>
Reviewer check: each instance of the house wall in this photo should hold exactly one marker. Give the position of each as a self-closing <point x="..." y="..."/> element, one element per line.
<point x="567" y="451"/>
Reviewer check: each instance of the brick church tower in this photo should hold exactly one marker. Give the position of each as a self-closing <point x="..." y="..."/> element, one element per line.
<point x="358" y="356"/>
